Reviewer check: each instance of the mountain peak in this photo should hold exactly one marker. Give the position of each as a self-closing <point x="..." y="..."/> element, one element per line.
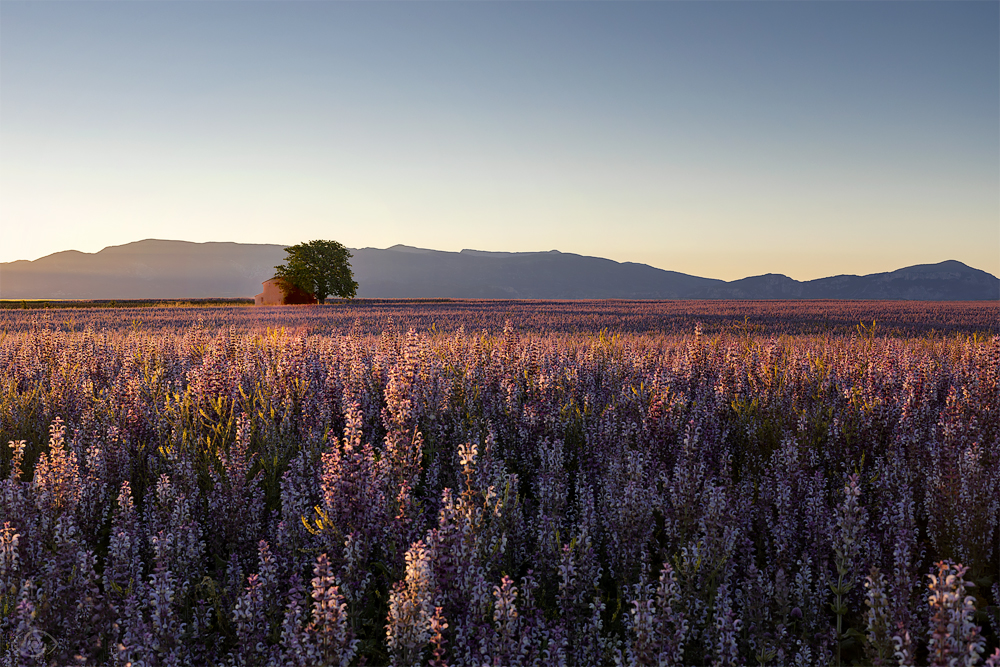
<point x="163" y="269"/>
<point x="410" y="249"/>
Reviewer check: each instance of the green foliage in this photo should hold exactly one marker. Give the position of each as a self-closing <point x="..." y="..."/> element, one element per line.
<point x="321" y="268"/>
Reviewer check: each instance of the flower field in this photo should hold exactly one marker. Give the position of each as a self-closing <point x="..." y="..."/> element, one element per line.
<point x="501" y="483"/>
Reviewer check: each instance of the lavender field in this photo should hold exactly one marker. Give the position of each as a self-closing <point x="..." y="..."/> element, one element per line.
<point x="501" y="483"/>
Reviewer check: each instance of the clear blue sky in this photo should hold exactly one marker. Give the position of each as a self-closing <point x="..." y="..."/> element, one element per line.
<point x="719" y="139"/>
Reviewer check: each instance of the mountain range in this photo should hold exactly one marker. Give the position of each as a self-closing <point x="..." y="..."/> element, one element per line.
<point x="158" y="269"/>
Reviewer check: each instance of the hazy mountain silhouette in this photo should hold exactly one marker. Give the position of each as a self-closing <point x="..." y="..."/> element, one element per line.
<point x="154" y="269"/>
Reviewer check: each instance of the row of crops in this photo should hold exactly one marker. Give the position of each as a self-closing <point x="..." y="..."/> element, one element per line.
<point x="216" y="489"/>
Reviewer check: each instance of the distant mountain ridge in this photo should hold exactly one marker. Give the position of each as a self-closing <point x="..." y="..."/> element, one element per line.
<point x="157" y="269"/>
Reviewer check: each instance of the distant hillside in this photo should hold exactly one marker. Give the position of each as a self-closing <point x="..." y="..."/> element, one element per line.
<point x="402" y="271"/>
<point x="149" y="269"/>
<point x="154" y="269"/>
<point x="944" y="281"/>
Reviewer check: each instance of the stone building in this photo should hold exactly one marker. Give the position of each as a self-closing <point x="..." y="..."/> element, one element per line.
<point x="279" y="292"/>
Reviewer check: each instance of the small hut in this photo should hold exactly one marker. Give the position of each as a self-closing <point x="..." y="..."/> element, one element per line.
<point x="280" y="292"/>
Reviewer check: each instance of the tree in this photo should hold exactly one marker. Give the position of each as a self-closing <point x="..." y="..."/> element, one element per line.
<point x="320" y="268"/>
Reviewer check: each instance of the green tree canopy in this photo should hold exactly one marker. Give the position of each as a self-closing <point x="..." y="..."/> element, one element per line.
<point x="321" y="268"/>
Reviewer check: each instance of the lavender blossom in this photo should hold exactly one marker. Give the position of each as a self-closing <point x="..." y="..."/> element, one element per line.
<point x="411" y="608"/>
<point x="953" y="639"/>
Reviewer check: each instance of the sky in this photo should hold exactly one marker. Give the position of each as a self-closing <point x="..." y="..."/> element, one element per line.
<point x="719" y="139"/>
